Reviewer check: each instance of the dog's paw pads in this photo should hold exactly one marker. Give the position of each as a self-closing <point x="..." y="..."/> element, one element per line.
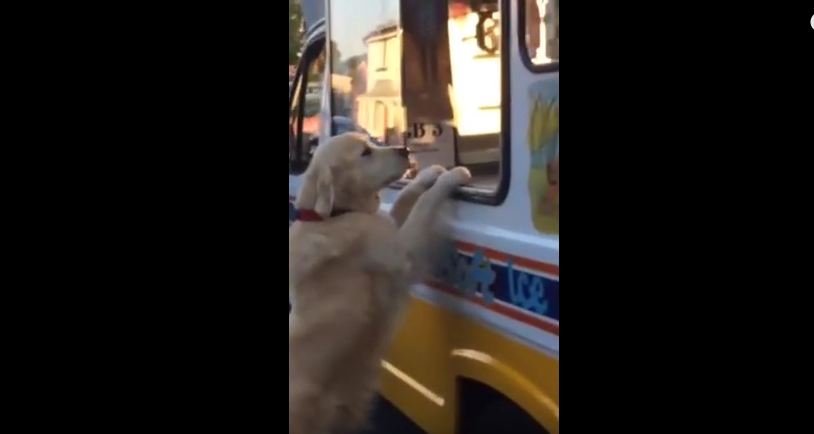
<point x="428" y="176"/>
<point x="457" y="176"/>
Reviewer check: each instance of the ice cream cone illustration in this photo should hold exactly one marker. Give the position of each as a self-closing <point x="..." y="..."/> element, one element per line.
<point x="544" y="171"/>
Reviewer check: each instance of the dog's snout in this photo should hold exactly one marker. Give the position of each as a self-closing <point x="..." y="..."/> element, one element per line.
<point x="403" y="151"/>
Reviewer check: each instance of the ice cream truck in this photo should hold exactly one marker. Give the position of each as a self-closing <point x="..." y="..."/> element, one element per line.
<point x="473" y="83"/>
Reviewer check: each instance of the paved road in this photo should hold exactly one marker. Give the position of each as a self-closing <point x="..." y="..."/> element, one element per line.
<point x="388" y="420"/>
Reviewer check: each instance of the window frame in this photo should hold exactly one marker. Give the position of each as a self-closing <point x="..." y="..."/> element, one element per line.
<point x="524" y="49"/>
<point x="310" y="53"/>
<point x="296" y="83"/>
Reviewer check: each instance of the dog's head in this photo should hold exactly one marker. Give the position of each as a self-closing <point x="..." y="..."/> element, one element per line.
<point x="347" y="172"/>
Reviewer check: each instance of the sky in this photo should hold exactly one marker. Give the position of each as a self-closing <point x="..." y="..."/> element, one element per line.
<point x="353" y="19"/>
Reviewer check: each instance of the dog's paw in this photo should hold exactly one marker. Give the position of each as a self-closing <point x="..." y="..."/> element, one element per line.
<point x="427" y="177"/>
<point x="455" y="177"/>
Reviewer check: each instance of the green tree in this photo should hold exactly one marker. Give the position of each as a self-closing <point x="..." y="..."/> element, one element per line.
<point x="294" y="31"/>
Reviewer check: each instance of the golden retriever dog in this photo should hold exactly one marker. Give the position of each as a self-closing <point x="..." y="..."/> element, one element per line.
<point x="349" y="273"/>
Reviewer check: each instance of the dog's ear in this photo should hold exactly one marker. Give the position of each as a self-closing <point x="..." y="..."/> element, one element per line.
<point x="324" y="204"/>
<point x="317" y="191"/>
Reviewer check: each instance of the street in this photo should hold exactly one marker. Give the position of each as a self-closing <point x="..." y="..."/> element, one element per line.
<point x="386" y="419"/>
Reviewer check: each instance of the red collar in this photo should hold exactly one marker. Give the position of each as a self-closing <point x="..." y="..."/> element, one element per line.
<point x="309" y="215"/>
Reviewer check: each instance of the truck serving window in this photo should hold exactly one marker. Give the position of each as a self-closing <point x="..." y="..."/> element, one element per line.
<point x="476" y="63"/>
<point x="427" y="74"/>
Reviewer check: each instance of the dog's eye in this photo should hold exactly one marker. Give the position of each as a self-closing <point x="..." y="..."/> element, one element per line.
<point x="367" y="151"/>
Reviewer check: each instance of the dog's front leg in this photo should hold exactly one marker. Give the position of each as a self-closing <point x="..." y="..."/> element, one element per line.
<point x="419" y="234"/>
<point x="408" y="196"/>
